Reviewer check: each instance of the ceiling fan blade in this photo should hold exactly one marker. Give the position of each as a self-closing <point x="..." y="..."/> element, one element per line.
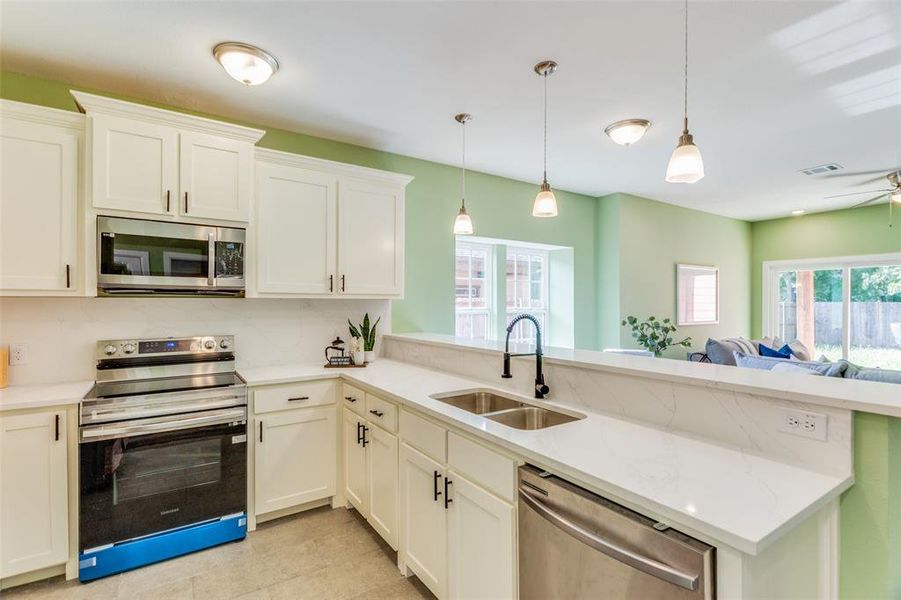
<point x="864" y="203"/>
<point x="857" y="193"/>
<point x="881" y="172"/>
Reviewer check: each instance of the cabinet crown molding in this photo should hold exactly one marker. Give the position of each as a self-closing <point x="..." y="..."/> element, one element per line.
<point x="92" y="104"/>
<point x="41" y="114"/>
<point x="338" y="168"/>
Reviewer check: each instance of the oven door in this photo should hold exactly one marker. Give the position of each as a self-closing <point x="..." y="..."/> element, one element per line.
<point x="150" y="475"/>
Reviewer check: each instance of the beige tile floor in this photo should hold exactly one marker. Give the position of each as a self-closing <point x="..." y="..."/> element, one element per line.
<point x="321" y="554"/>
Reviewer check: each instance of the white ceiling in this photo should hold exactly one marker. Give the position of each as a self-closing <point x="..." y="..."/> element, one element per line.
<point x="775" y="86"/>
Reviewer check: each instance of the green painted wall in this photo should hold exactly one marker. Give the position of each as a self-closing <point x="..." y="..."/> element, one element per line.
<point x="650" y="238"/>
<point x="500" y="208"/>
<point x="871" y="510"/>
<point x="836" y="233"/>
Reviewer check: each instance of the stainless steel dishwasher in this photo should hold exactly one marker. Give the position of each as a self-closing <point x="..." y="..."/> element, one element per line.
<point x="574" y="544"/>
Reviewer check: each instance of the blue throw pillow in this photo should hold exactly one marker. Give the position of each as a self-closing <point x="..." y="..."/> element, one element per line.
<point x="783" y="352"/>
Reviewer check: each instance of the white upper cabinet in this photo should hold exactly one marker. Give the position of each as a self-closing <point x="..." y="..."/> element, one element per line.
<point x="39" y="183"/>
<point x="34" y="517"/>
<point x="215" y="177"/>
<point x="370" y="238"/>
<point x="134" y="166"/>
<point x="295" y="229"/>
<point x="159" y="162"/>
<point x="322" y="228"/>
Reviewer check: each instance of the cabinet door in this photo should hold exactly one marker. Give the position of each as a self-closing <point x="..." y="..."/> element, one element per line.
<point x="134" y="165"/>
<point x="215" y="177"/>
<point x="355" y="485"/>
<point x="38" y="206"/>
<point x="370" y="238"/>
<point x="382" y="455"/>
<point x="295" y="230"/>
<point x="480" y="542"/>
<point x="424" y="528"/>
<point x="295" y="458"/>
<point x="34" y="530"/>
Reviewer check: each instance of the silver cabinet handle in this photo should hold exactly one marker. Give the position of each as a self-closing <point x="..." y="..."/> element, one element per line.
<point x="642" y="563"/>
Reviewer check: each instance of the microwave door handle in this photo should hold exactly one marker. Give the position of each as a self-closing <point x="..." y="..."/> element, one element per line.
<point x="644" y="564"/>
<point x="211" y="265"/>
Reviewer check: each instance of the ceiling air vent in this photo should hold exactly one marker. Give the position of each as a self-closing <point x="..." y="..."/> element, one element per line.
<point x="820" y="169"/>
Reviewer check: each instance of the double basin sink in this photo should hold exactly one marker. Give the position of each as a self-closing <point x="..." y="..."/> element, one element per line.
<point x="505" y="410"/>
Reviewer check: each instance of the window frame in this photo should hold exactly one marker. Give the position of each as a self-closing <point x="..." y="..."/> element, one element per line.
<point x="512" y="250"/>
<point x="773" y="268"/>
<point x="490" y="285"/>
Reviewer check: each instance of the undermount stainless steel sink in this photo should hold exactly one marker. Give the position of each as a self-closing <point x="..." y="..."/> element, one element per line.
<point x="531" y="417"/>
<point x="481" y="403"/>
<point x="506" y="411"/>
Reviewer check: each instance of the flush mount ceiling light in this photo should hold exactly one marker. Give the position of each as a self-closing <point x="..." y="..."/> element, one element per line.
<point x="463" y="223"/>
<point x="798" y="212"/>
<point x="686" y="164"/>
<point x="245" y="63"/>
<point x="627" y="132"/>
<point x="545" y="202"/>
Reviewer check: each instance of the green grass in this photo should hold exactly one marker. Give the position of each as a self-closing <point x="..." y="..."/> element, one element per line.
<point x="886" y="358"/>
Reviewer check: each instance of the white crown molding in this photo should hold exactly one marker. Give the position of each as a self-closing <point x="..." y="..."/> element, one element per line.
<point x="288" y="159"/>
<point x="41" y="114"/>
<point x="92" y="104"/>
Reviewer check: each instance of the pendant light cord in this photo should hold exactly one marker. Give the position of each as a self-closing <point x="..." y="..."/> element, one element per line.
<point x="685" y="99"/>
<point x="545" y="127"/>
<point x="464" y="164"/>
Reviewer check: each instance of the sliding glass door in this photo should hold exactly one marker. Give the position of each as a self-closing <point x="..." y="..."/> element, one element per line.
<point x="848" y="307"/>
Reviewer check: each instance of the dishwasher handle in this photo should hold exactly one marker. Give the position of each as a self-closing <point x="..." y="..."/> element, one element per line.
<point x="642" y="563"/>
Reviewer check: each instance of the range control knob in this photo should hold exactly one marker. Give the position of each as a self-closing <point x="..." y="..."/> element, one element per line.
<point x="109" y="350"/>
<point x="129" y="348"/>
<point x="209" y="344"/>
<point x="225" y="344"/>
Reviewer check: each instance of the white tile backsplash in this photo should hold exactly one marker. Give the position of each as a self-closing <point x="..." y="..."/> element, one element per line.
<point x="61" y="333"/>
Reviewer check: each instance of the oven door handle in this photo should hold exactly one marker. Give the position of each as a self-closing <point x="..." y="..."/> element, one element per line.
<point x="645" y="564"/>
<point x="135" y="428"/>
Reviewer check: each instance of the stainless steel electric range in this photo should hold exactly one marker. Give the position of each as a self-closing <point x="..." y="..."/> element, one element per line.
<point x="162" y="452"/>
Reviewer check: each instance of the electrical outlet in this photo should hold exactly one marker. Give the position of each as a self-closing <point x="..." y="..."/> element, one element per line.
<point x="18" y="354"/>
<point x="803" y="423"/>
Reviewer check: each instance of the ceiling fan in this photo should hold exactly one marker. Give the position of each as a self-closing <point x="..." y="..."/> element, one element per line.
<point x="893" y="193"/>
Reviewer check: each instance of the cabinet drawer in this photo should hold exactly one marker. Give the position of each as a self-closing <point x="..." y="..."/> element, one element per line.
<point x="293" y="395"/>
<point x="381" y="412"/>
<point x="424" y="435"/>
<point x="354" y="399"/>
<point x="491" y="470"/>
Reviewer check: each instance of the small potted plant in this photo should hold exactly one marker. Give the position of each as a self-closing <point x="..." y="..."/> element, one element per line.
<point x="367" y="334"/>
<point x="654" y="335"/>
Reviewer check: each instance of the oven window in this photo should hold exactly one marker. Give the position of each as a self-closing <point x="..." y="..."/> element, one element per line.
<point x="155" y="471"/>
<point x="136" y="486"/>
<point x="148" y="256"/>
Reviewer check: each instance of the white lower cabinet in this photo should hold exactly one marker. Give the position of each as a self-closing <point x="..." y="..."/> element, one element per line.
<point x="481" y="545"/>
<point x="424" y="528"/>
<point x="295" y="458"/>
<point x="355" y="487"/>
<point x="34" y="527"/>
<point x="370" y="473"/>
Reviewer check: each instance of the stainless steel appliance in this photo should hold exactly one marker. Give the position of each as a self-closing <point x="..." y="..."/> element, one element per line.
<point x="140" y="258"/>
<point x="162" y="452"/>
<point x="575" y="544"/>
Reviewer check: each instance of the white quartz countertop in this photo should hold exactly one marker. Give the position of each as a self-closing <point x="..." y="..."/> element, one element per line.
<point x="703" y="488"/>
<point x="852" y="394"/>
<point x="38" y="396"/>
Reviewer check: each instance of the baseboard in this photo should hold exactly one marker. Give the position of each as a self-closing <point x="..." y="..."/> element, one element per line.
<point x="32" y="576"/>
<point x="292" y="510"/>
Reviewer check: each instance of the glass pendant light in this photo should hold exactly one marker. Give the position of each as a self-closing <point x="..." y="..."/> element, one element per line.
<point x="545" y="202"/>
<point x="463" y="223"/>
<point x="686" y="164"/>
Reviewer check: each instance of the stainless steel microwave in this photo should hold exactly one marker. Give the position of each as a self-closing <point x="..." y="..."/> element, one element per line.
<point x="140" y="258"/>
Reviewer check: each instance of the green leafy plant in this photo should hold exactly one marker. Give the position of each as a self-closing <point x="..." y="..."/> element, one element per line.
<point x="654" y="335"/>
<point x="365" y="332"/>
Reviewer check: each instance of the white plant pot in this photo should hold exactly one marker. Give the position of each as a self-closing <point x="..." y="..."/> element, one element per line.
<point x="370" y="356"/>
<point x="358" y="357"/>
